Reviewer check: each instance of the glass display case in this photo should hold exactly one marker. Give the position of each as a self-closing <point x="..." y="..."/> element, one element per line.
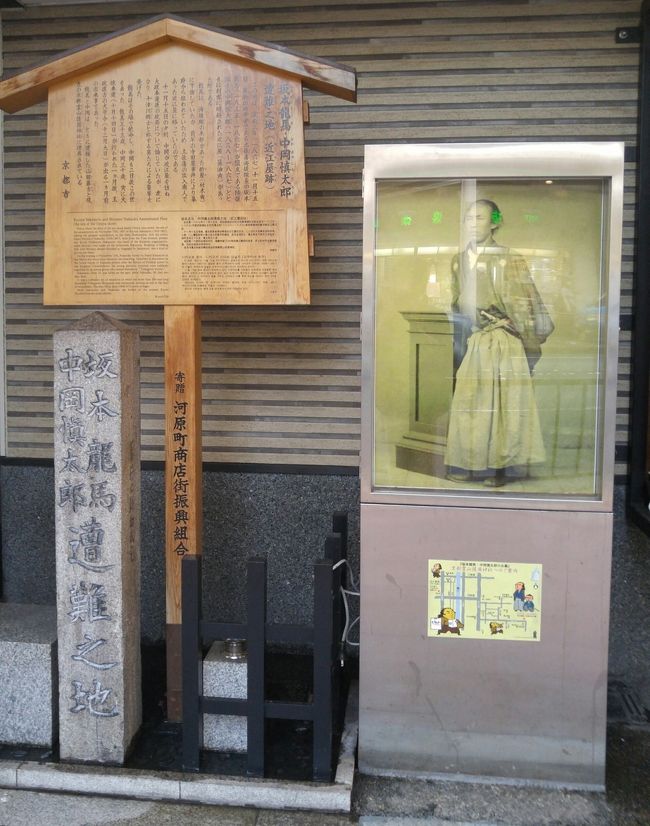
<point x="490" y="332"/>
<point x="491" y="280"/>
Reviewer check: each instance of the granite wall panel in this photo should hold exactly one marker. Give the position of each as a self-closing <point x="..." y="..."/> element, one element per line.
<point x="284" y="517"/>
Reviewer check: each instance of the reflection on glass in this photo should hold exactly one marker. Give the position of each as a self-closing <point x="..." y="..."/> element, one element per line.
<point x="489" y="306"/>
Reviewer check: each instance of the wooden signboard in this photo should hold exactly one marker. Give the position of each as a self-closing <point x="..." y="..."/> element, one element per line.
<point x="175" y="176"/>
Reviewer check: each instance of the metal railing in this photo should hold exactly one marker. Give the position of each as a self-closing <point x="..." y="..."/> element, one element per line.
<point x="323" y="636"/>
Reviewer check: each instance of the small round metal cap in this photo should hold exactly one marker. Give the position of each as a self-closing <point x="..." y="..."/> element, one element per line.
<point x="235" y="649"/>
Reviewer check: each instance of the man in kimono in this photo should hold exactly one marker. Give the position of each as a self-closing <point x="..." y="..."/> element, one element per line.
<point x="502" y="325"/>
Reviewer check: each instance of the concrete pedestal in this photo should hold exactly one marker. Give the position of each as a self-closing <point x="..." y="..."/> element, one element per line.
<point x="450" y="705"/>
<point x="28" y="675"/>
<point x="224" y="678"/>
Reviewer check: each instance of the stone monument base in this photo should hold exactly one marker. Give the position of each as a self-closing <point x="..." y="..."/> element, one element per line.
<point x="224" y="678"/>
<point x="28" y="674"/>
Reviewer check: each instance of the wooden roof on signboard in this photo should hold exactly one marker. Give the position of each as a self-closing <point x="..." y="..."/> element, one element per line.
<point x="31" y="86"/>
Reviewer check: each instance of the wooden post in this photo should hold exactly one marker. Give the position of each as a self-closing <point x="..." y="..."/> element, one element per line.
<point x="183" y="477"/>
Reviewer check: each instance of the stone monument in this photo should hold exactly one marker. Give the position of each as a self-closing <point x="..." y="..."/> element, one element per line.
<point x="97" y="480"/>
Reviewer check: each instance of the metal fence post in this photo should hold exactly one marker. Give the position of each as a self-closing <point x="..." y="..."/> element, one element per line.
<point x="323" y="627"/>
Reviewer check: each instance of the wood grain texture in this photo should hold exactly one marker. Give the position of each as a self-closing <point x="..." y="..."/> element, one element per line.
<point x="183" y="447"/>
<point x="183" y="474"/>
<point x="32" y="86"/>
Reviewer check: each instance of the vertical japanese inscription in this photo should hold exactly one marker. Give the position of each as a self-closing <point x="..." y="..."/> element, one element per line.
<point x="183" y="472"/>
<point x="90" y="508"/>
<point x="86" y="470"/>
<point x="180" y="484"/>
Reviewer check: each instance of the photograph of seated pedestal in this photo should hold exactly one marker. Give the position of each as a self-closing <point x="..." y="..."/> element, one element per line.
<point x="28" y="674"/>
<point x="225" y="674"/>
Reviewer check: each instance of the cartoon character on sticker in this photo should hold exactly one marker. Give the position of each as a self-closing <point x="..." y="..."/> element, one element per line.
<point x="436" y="570"/>
<point x="529" y="604"/>
<point x="448" y="622"/>
<point x="496" y="628"/>
<point x="519" y="596"/>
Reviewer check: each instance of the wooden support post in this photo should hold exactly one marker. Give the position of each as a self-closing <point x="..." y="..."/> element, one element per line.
<point x="183" y="479"/>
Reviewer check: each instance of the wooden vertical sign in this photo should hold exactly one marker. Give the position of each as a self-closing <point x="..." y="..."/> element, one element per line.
<point x="183" y="476"/>
<point x="176" y="176"/>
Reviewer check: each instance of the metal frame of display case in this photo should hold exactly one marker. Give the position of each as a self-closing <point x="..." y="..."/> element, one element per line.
<point x="596" y="160"/>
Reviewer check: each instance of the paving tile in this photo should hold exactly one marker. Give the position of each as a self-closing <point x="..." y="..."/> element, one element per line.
<point x="24" y="808"/>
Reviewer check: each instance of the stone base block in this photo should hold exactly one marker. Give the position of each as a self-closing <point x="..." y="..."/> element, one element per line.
<point x="225" y="733"/>
<point x="224" y="678"/>
<point x="28" y="674"/>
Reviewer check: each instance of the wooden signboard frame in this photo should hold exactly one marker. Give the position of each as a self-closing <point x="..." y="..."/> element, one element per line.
<point x="181" y="183"/>
<point x="175" y="176"/>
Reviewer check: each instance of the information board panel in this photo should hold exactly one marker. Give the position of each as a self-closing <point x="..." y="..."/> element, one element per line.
<point x="176" y="177"/>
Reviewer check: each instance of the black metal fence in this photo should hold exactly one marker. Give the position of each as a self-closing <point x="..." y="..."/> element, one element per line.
<point x="324" y="637"/>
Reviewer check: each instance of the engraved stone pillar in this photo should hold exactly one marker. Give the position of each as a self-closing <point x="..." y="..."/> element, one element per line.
<point x="97" y="479"/>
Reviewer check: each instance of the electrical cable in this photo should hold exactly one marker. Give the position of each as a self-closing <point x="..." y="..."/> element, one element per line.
<point x="345" y="592"/>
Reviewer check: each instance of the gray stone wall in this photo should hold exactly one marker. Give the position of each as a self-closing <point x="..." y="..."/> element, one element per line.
<point x="284" y="517"/>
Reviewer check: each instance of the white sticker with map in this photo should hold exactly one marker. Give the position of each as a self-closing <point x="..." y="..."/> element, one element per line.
<point x="477" y="600"/>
